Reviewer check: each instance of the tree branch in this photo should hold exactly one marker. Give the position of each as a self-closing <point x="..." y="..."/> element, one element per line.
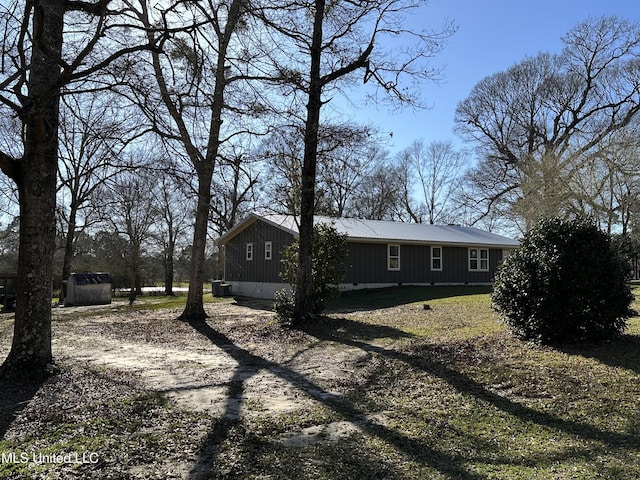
<point x="9" y="166"/>
<point x="97" y="8"/>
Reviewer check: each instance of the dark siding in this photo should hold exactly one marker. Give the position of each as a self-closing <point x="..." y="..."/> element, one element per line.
<point x="239" y="269"/>
<point x="455" y="266"/>
<point x="367" y="263"/>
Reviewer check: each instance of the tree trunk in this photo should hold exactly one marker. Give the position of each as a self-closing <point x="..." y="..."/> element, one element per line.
<point x="68" y="250"/>
<point x="135" y="287"/>
<point x="303" y="307"/>
<point x="194" y="309"/>
<point x="168" y="265"/>
<point x="36" y="179"/>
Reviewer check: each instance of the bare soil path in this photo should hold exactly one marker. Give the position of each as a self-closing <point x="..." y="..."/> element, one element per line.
<point x="172" y="358"/>
<point x="130" y="376"/>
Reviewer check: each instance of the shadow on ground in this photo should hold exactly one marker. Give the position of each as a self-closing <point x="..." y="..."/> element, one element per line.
<point x="342" y="330"/>
<point x="623" y="352"/>
<point x="15" y="395"/>
<point x="254" y="303"/>
<point x="228" y="427"/>
<point x="433" y="359"/>
<point x="372" y="299"/>
<point x="419" y="356"/>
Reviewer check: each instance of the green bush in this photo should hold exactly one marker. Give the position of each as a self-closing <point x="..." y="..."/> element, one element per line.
<point x="566" y="283"/>
<point x="328" y="267"/>
<point x="283" y="304"/>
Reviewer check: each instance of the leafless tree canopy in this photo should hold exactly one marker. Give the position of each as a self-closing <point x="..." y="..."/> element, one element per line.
<point x="539" y="124"/>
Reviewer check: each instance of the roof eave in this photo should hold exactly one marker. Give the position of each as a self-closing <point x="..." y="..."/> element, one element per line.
<point x="235" y="230"/>
<point x="430" y="242"/>
<point x="247" y="222"/>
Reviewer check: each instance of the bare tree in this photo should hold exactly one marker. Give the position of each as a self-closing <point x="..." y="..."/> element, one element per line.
<point x="201" y="61"/>
<point x="174" y="214"/>
<point x="11" y="145"/>
<point x="347" y="154"/>
<point x="434" y="169"/>
<point x="9" y="241"/>
<point x="281" y="152"/>
<point x="340" y="41"/>
<point x="378" y="195"/>
<point x="234" y="189"/>
<point x="95" y="129"/>
<point x="131" y="211"/>
<point x="488" y="196"/>
<point x="544" y="117"/>
<point x="608" y="186"/>
<point x="406" y="208"/>
<point x="40" y="61"/>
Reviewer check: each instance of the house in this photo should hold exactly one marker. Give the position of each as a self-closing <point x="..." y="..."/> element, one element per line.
<point x="381" y="253"/>
<point x="88" y="289"/>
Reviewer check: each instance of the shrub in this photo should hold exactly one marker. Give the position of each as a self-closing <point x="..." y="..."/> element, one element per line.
<point x="329" y="254"/>
<point x="566" y="283"/>
<point x="283" y="306"/>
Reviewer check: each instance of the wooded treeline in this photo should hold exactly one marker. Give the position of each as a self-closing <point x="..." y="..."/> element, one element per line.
<point x="134" y="130"/>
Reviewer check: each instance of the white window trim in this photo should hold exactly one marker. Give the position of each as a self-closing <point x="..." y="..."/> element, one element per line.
<point x="389" y="257"/>
<point x="249" y="252"/>
<point x="479" y="259"/>
<point x="268" y="250"/>
<point x="432" y="258"/>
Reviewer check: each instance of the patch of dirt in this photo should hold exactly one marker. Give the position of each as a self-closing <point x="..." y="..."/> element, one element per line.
<point x="251" y="365"/>
<point x="334" y="431"/>
<point x="240" y="364"/>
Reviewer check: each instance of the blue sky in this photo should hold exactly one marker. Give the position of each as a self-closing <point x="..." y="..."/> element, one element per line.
<point x="492" y="36"/>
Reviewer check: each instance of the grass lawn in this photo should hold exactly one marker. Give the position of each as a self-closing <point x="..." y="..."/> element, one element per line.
<point x="463" y="399"/>
<point x="442" y="392"/>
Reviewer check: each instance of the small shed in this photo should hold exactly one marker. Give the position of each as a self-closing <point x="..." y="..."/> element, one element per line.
<point x="88" y="289"/>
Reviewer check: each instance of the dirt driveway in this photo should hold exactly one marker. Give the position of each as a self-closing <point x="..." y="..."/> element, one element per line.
<point x="239" y="363"/>
<point x="120" y="365"/>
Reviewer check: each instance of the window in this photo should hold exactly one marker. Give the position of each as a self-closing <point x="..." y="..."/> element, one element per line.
<point x="268" y="250"/>
<point x="436" y="258"/>
<point x="393" y="257"/>
<point x="249" y="251"/>
<point x="479" y="259"/>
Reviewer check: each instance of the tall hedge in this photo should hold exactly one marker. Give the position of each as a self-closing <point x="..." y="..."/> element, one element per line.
<point x="565" y="284"/>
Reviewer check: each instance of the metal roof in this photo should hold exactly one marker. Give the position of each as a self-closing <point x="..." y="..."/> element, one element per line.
<point x="87" y="278"/>
<point x="387" y="231"/>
